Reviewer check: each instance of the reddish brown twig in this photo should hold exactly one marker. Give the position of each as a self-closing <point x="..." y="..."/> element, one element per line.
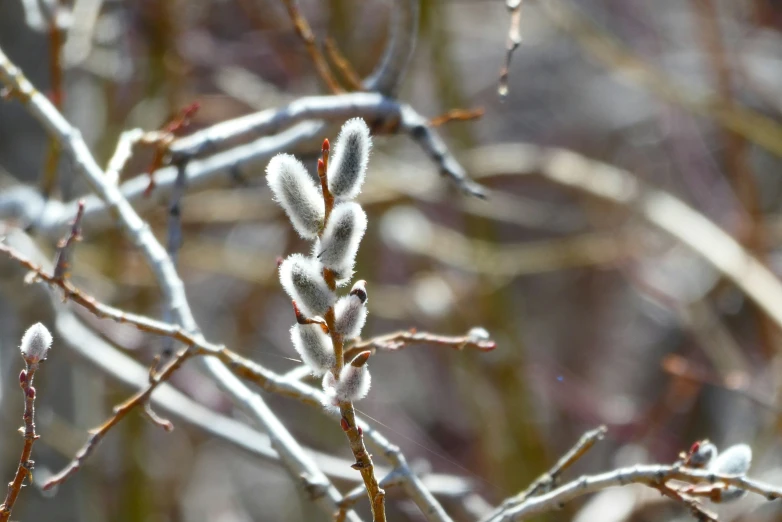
<point x="141" y="398"/>
<point x="404" y="338"/>
<point x="25" y="467"/>
<point x="305" y="33"/>
<point x="56" y="43"/>
<point x="62" y="262"/>
<point x="342" y="64"/>
<point x="457" y="115"/>
<point x="164" y="139"/>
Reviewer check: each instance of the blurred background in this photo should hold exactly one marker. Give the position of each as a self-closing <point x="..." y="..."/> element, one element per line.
<point x="600" y="317"/>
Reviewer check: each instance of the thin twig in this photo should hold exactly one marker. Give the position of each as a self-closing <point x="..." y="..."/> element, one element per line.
<point x="342" y="64"/>
<point x="62" y="261"/>
<point x="390" y="72"/>
<point x="753" y="125"/>
<point x="514" y="39"/>
<point x="25" y="467"/>
<point x="304" y="31"/>
<point x="140" y="399"/>
<point x="457" y="115"/>
<point x="549" y="480"/>
<point x="396" y="341"/>
<point x="56" y="42"/>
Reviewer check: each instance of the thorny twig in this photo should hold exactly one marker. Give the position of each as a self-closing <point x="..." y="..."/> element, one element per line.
<point x="399" y="340"/>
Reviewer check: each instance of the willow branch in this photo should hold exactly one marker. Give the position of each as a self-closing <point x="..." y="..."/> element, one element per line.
<point x="140" y="399"/>
<point x="304" y="31"/>
<point x="25" y="466"/>
<point x="390" y="72"/>
<point x="549" y="480"/>
<point x="399" y="340"/>
<point x="654" y="476"/>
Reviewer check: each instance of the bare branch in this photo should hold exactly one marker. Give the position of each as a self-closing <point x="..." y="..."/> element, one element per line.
<point x="399" y="340"/>
<point x="550" y="479"/>
<point x="390" y="72"/>
<point x="140" y="399"/>
<point x="304" y="31"/>
<point x="655" y="476"/>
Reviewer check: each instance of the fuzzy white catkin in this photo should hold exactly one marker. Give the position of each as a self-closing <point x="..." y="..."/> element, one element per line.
<point x="35" y="343"/>
<point x="314" y="347"/>
<point x="297" y="194"/>
<point x="353" y="383"/>
<point x="735" y="460"/>
<point x="348" y="165"/>
<point x="339" y="244"/>
<point x="351" y="312"/>
<point x="302" y="279"/>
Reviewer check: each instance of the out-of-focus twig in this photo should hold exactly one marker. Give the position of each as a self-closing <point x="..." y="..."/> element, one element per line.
<point x="304" y="31"/>
<point x="655" y="206"/>
<point x="56" y="42"/>
<point x="399" y="340"/>
<point x="140" y="399"/>
<point x="390" y="72"/>
<point x="62" y="261"/>
<point x="457" y="115"/>
<point x="550" y="479"/>
<point x="514" y="40"/>
<point x="606" y="49"/>
<point x="342" y="64"/>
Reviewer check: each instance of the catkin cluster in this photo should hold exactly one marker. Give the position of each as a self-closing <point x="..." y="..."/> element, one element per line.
<point x="335" y="244"/>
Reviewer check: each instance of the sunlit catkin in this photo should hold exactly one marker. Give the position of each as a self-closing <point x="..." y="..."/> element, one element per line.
<point x="35" y="343"/>
<point x="297" y="194"/>
<point x="351" y="311"/>
<point x="338" y="247"/>
<point x="302" y="279"/>
<point x="314" y="347"/>
<point x="348" y="167"/>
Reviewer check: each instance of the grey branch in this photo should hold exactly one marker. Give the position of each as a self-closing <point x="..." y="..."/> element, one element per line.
<point x="650" y="475"/>
<point x="388" y="75"/>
